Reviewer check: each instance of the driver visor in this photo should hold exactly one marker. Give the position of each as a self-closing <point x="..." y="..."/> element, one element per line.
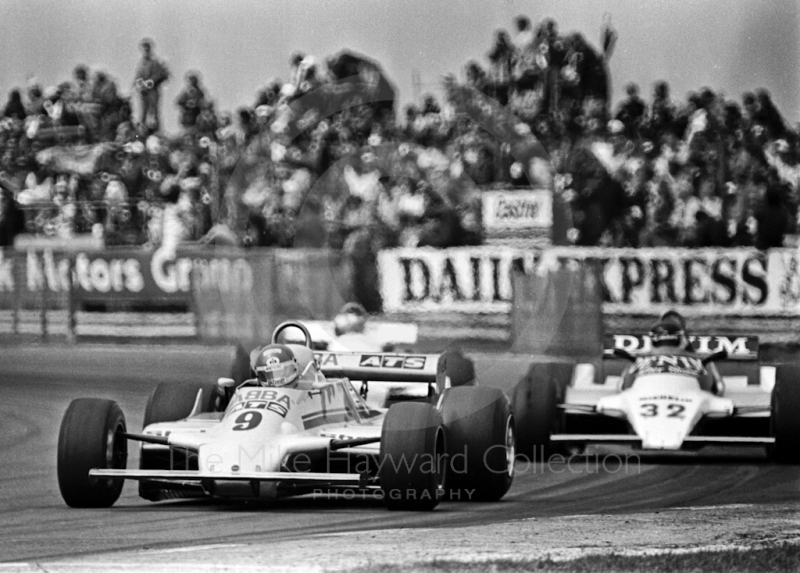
<point x="277" y="374"/>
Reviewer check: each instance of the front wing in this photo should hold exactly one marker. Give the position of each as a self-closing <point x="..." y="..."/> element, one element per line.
<point x="188" y="476"/>
<point x="630" y="439"/>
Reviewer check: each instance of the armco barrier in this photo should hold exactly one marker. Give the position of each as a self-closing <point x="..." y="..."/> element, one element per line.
<point x="212" y="295"/>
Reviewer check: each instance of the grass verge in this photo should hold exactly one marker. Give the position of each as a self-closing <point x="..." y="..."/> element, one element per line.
<point x="776" y="558"/>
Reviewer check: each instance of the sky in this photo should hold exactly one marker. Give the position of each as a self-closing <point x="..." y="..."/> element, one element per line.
<point x="238" y="45"/>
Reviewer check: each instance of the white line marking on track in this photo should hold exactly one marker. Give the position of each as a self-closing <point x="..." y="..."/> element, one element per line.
<point x="708" y="507"/>
<point x="193" y="548"/>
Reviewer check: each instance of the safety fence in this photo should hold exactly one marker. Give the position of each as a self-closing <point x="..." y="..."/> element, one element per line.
<point x="480" y="293"/>
<point x="200" y="294"/>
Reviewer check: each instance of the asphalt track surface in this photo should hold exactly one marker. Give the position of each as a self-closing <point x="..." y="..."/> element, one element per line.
<point x="37" y="384"/>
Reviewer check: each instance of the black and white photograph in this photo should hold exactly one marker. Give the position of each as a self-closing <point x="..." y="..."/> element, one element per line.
<point x="385" y="286"/>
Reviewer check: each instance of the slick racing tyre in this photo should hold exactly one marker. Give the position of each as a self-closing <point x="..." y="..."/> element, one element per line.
<point x="785" y="418"/>
<point x="412" y="457"/>
<point x="91" y="437"/>
<point x="479" y="428"/>
<point x="172" y="402"/>
<point x="169" y="403"/>
<point x="534" y="402"/>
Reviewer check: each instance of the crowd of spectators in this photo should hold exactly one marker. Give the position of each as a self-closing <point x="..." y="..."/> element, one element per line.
<point x="323" y="159"/>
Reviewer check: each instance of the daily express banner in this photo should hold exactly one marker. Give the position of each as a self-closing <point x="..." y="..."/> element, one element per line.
<point x="639" y="281"/>
<point x="130" y="274"/>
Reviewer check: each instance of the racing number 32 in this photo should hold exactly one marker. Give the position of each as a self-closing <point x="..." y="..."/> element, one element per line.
<point x="650" y="410"/>
<point x="247" y="421"/>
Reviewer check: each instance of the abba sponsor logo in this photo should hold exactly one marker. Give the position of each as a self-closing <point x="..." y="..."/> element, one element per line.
<point x="517" y="209"/>
<point x="384" y="361"/>
<point x="739" y="347"/>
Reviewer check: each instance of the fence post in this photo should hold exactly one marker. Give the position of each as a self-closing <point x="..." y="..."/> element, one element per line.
<point x="71" y="303"/>
<point x="15" y="273"/>
<point x="43" y="314"/>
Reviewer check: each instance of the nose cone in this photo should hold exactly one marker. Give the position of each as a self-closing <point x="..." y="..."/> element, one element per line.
<point x="663" y="414"/>
<point x="247" y="442"/>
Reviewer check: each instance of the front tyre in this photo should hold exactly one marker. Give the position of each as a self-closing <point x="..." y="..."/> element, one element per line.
<point x="91" y="437"/>
<point x="412" y="457"/>
<point x="535" y="405"/>
<point x="481" y="443"/>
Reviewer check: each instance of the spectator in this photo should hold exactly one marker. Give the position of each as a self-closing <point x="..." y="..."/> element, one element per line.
<point x="476" y="77"/>
<point x="773" y="220"/>
<point x="35" y="100"/>
<point x="110" y="106"/>
<point x="631" y="112"/>
<point x="191" y="101"/>
<point x="501" y="57"/>
<point x="662" y="112"/>
<point x="81" y="87"/>
<point x="14" y="108"/>
<point x="150" y="74"/>
<point x="12" y="219"/>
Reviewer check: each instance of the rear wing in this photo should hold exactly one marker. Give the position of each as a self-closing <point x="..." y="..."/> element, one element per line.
<point x="738" y="347"/>
<point x="379" y="367"/>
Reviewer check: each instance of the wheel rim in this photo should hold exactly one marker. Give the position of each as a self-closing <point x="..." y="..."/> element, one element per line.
<point x="116" y="450"/>
<point x="511" y="447"/>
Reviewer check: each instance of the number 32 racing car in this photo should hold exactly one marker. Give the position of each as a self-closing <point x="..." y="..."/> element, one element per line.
<point x="714" y="391"/>
<point x="316" y="435"/>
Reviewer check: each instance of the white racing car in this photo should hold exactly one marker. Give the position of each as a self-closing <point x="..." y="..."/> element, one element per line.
<point x="316" y="435"/>
<point x="712" y="391"/>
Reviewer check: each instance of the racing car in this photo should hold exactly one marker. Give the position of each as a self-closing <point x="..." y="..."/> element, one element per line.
<point x="317" y="434"/>
<point x="713" y="391"/>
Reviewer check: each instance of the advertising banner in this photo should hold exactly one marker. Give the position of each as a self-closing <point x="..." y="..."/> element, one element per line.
<point x="28" y="276"/>
<point x="517" y="213"/>
<point x="633" y="281"/>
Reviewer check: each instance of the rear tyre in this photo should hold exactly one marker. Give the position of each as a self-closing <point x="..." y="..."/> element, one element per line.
<point x="534" y="402"/>
<point x="481" y="444"/>
<point x="91" y="437"/>
<point x="785" y="418"/>
<point x="172" y="402"/>
<point x="412" y="457"/>
<point x="169" y="403"/>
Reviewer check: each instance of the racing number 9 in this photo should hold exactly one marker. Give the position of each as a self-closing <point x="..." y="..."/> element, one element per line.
<point x="247" y="421"/>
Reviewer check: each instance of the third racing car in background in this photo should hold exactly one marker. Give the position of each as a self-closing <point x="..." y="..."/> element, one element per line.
<point x="662" y="392"/>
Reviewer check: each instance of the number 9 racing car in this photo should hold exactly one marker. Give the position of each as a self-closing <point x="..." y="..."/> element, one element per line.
<point x="317" y="435"/>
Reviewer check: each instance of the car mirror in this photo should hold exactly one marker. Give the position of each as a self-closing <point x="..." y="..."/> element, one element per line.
<point x="620" y="353"/>
<point x="721" y="355"/>
<point x="226" y="382"/>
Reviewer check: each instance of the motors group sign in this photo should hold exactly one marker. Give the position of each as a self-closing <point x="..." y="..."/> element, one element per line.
<point x="648" y="281"/>
<point x="126" y="273"/>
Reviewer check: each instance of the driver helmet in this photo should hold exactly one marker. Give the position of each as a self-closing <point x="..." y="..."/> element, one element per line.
<point x="674" y="316"/>
<point x="352" y="318"/>
<point x="668" y="333"/>
<point x="276" y="366"/>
